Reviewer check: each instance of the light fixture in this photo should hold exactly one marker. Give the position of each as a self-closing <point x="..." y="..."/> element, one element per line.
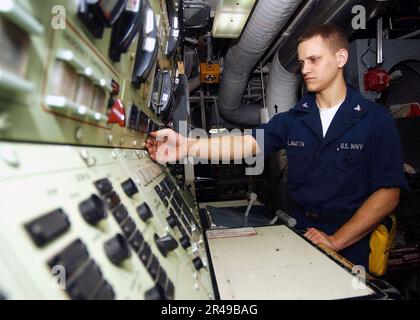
<point x="230" y="17"/>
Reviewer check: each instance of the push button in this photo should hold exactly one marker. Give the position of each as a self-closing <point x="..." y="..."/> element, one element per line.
<point x="71" y="257"/>
<point x="106" y="292"/>
<point x="120" y="213"/>
<point x="162" y="278"/>
<point x="153" y="268"/>
<point x="112" y="199"/>
<point x="128" y="227"/>
<point x="169" y="290"/>
<point x="154" y="293"/>
<point x="83" y="287"/>
<point x="48" y="227"/>
<point x="157" y="189"/>
<point x="145" y="254"/>
<point x="136" y="240"/>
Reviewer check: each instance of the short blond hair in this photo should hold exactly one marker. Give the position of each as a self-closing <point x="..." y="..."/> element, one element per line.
<point x="332" y="34"/>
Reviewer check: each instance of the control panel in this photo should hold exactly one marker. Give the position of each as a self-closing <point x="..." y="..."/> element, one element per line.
<point x="82" y="72"/>
<point x="100" y="223"/>
<point x="84" y="212"/>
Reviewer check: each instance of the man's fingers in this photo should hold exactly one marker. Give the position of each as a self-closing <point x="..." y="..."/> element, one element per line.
<point x="161" y="133"/>
<point x="150" y="141"/>
<point x="153" y="141"/>
<point x="310" y="232"/>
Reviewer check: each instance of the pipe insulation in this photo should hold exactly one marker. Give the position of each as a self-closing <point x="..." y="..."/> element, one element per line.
<point x="264" y="25"/>
<point x="282" y="88"/>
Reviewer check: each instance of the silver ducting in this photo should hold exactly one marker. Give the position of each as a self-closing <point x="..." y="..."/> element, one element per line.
<point x="267" y="20"/>
<point x="282" y="88"/>
<point x="194" y="83"/>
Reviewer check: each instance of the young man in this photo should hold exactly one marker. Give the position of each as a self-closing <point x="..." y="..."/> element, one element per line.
<point x="344" y="154"/>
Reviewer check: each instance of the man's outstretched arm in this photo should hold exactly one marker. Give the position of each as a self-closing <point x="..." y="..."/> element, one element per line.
<point x="166" y="146"/>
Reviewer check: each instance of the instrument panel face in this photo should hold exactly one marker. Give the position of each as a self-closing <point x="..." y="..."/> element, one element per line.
<point x="85" y="213"/>
<point x="96" y="223"/>
<point x="59" y="82"/>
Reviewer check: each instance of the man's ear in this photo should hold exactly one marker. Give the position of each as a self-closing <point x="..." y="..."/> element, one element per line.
<point x="343" y="57"/>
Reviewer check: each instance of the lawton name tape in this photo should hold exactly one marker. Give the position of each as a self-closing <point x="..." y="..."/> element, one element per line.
<point x="231" y="233"/>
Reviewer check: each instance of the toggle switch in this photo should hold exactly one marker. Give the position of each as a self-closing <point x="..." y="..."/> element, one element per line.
<point x="172" y="221"/>
<point x="198" y="264"/>
<point x="185" y="242"/>
<point x="117" y="113"/>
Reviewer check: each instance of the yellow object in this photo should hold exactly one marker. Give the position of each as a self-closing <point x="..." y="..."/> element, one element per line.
<point x="380" y="243"/>
<point x="209" y="73"/>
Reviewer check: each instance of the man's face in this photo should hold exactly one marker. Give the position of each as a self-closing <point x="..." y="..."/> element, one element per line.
<point x="320" y="66"/>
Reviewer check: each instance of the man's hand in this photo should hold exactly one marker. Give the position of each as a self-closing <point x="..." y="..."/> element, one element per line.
<point x="319" y="237"/>
<point x="166" y="146"/>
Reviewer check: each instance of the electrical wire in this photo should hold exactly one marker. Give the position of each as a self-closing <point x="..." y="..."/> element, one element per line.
<point x="369" y="49"/>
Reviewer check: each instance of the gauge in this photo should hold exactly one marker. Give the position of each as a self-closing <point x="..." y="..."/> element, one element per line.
<point x="126" y="29"/>
<point x="99" y="14"/>
<point x="147" y="48"/>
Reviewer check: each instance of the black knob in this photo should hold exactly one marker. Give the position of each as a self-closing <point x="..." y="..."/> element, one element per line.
<point x="144" y="212"/>
<point x="129" y="187"/>
<point x="165" y="244"/>
<point x="92" y="209"/>
<point x="103" y="185"/>
<point x="198" y="264"/>
<point x="185" y="242"/>
<point x="154" y="293"/>
<point x="172" y="221"/>
<point x="117" y="249"/>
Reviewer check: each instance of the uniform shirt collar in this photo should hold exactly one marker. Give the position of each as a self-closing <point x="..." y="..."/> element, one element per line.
<point x="352" y="104"/>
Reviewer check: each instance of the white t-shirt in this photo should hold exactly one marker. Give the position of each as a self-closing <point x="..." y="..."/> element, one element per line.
<point x="327" y="115"/>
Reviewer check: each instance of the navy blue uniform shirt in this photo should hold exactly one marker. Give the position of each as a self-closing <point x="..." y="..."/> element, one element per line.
<point x="330" y="177"/>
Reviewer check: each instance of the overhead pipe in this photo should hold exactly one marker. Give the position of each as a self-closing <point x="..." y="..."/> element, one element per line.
<point x="267" y="20"/>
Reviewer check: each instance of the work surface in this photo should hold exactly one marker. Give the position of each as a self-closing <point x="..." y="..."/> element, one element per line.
<point x="276" y="263"/>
